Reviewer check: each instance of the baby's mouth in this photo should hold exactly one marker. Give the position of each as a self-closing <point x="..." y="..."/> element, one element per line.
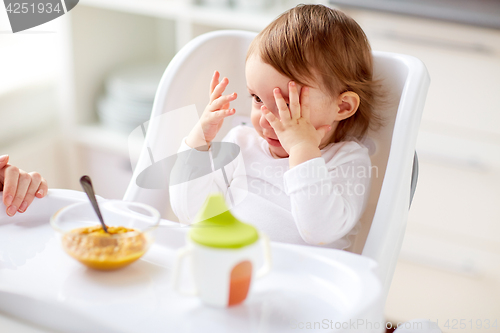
<point x="273" y="142"/>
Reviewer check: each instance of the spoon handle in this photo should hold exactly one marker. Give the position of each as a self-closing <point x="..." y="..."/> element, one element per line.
<point x="89" y="189"/>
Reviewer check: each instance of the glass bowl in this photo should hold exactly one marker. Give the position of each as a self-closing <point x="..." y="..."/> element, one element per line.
<point x="130" y="226"/>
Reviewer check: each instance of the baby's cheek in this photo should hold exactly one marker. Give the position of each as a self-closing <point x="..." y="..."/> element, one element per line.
<point x="321" y="117"/>
<point x="255" y="117"/>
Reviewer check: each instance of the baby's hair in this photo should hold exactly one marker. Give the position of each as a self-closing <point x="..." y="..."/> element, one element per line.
<point x="308" y="41"/>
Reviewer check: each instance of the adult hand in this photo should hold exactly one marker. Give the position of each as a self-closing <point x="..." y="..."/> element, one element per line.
<point x="19" y="187"/>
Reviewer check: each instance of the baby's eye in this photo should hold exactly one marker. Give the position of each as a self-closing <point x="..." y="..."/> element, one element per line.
<point x="256" y="98"/>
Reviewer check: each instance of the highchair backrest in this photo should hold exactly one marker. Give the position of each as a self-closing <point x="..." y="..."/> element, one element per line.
<point x="184" y="89"/>
<point x="186" y="82"/>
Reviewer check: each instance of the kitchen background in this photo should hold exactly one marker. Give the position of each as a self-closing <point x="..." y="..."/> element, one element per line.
<point x="62" y="84"/>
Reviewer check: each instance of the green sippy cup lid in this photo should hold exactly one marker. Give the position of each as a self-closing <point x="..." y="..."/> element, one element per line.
<point x="217" y="227"/>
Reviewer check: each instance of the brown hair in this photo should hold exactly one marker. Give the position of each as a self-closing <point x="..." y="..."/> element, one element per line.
<point x="311" y="40"/>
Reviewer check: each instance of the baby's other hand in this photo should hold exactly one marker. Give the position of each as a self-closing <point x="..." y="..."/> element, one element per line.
<point x="294" y="128"/>
<point x="19" y="187"/>
<point x="213" y="116"/>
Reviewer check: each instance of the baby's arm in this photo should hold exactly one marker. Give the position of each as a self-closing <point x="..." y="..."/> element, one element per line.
<point x="328" y="200"/>
<point x="187" y="197"/>
<point x="192" y="177"/>
<point x="19" y="187"/>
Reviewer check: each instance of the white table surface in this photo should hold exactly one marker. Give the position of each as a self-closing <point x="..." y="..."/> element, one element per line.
<point x="44" y="290"/>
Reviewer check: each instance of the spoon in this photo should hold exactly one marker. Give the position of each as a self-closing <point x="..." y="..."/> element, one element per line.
<point x="89" y="189"/>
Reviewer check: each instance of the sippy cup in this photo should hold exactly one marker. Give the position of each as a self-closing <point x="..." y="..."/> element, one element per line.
<point x="224" y="254"/>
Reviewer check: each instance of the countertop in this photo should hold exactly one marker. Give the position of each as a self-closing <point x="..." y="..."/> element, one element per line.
<point x="482" y="13"/>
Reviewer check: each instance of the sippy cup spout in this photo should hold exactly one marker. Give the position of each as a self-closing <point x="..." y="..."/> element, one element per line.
<point x="217" y="227"/>
<point x="214" y="205"/>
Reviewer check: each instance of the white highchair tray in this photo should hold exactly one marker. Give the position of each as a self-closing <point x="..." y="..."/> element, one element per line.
<point x="40" y="284"/>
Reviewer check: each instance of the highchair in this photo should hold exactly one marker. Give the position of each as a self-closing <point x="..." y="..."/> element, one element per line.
<point x="392" y="148"/>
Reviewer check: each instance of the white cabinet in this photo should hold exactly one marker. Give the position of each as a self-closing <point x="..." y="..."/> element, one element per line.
<point x="464" y="64"/>
<point x="29" y="130"/>
<point x="41" y="152"/>
<point x="110" y="171"/>
<point x="102" y="36"/>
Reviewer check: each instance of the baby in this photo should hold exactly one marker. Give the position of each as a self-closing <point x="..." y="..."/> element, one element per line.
<point x="302" y="176"/>
<point x="19" y="187"/>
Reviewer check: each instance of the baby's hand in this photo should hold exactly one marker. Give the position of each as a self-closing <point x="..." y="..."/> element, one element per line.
<point x="19" y="187"/>
<point x="294" y="129"/>
<point x="213" y="116"/>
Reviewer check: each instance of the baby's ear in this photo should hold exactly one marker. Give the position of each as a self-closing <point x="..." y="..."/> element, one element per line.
<point x="348" y="103"/>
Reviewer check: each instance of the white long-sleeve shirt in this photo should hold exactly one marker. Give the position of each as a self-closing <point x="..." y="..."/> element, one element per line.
<point x="318" y="202"/>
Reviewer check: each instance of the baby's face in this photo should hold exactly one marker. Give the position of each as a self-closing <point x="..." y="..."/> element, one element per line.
<point x="261" y="79"/>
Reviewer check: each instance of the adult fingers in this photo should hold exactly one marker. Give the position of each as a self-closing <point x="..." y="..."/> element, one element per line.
<point x="280" y="102"/>
<point x="36" y="180"/>
<point x="222" y="101"/>
<point x="305" y="106"/>
<point x="214" y="83"/>
<point x="22" y="189"/>
<point x="4" y="159"/>
<point x="10" y="180"/>
<point x="43" y="189"/>
<point x="294" y="100"/>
